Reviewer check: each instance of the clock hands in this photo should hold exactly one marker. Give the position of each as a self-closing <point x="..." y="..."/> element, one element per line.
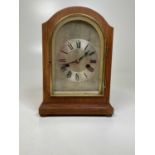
<point x="77" y="61"/>
<point x="86" y="53"/>
<point x="72" y="62"/>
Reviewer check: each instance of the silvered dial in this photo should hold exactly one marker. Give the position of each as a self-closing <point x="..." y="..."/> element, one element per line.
<point x="77" y="59"/>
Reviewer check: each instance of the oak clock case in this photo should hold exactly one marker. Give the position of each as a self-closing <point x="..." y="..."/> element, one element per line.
<point x="77" y="47"/>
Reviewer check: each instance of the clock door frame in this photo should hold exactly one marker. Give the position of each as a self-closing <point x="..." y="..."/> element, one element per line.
<point x="76" y="105"/>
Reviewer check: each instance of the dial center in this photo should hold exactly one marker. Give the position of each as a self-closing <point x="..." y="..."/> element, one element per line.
<point x="79" y="66"/>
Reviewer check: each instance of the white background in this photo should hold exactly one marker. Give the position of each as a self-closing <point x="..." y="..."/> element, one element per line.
<point x="145" y="75"/>
<point x="77" y="135"/>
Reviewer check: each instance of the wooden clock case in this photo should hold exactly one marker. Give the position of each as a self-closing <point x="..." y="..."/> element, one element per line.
<point x="75" y="105"/>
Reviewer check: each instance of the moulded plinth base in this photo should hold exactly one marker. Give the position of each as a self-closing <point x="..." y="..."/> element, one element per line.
<point x="51" y="109"/>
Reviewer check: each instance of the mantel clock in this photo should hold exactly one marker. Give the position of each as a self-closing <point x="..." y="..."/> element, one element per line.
<point x="77" y="55"/>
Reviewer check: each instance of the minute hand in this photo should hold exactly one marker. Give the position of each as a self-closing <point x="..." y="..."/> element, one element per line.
<point x="86" y="53"/>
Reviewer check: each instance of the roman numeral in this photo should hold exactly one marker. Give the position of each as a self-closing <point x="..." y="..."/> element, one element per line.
<point x="93" y="52"/>
<point x="64" y="67"/>
<point x="78" y="44"/>
<point x="62" y="60"/>
<point x="85" y="75"/>
<point x="86" y="47"/>
<point x="77" y="77"/>
<point x="91" y="69"/>
<point x="69" y="74"/>
<point x="92" y="61"/>
<point x="62" y="51"/>
<point x="70" y="46"/>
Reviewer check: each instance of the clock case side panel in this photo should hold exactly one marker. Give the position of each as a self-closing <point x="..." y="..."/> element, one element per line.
<point x="51" y="105"/>
<point x="108" y="62"/>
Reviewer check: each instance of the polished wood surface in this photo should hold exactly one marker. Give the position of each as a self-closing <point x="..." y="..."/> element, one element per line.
<point x="86" y="105"/>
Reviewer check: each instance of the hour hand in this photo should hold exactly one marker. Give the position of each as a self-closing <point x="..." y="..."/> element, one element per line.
<point x="72" y="62"/>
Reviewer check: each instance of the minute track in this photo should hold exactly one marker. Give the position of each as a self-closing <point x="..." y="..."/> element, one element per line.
<point x="80" y="62"/>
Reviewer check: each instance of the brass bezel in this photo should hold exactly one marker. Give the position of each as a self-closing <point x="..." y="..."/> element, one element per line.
<point x="92" y="22"/>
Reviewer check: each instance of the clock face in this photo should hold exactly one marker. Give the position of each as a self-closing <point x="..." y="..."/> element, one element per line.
<point x="77" y="58"/>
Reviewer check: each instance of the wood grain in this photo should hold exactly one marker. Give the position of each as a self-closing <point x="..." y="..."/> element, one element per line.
<point x="96" y="106"/>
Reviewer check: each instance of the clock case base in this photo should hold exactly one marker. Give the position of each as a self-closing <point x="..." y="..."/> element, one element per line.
<point x="72" y="109"/>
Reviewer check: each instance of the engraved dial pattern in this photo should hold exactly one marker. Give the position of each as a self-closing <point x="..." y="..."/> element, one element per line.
<point x="77" y="60"/>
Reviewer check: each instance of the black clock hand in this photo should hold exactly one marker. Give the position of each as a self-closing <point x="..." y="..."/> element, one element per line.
<point x="78" y="60"/>
<point x="72" y="62"/>
<point x="86" y="53"/>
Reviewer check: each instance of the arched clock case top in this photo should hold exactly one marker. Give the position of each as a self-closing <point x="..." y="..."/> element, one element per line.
<point x="60" y="105"/>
